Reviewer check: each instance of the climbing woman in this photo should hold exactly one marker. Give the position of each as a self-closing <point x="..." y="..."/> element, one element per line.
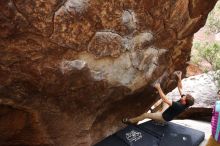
<point x="170" y="110"/>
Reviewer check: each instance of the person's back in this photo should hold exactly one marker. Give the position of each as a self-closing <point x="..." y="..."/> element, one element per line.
<point x="173" y="111"/>
<point x="178" y="107"/>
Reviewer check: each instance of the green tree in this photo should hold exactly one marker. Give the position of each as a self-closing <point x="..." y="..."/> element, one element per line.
<point x="213" y="20"/>
<point x="210" y="52"/>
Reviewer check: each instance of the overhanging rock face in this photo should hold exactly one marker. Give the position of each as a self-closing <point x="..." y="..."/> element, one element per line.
<point x="71" y="69"/>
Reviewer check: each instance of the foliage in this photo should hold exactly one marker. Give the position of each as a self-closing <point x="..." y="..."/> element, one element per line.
<point x="210" y="52"/>
<point x="213" y="20"/>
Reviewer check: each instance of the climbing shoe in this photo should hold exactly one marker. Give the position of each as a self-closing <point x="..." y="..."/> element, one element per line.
<point x="126" y="121"/>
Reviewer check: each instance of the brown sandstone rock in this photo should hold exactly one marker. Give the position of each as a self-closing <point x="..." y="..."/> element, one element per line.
<point x="71" y="69"/>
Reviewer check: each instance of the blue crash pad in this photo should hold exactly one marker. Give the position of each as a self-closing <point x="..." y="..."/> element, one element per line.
<point x="171" y="139"/>
<point x="152" y="134"/>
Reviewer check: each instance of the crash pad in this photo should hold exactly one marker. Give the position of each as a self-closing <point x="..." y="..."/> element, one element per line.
<point x="153" y="134"/>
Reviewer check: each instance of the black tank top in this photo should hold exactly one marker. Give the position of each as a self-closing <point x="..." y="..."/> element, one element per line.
<point x="174" y="110"/>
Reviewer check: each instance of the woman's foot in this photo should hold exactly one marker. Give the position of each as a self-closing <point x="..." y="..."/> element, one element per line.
<point x="127" y="121"/>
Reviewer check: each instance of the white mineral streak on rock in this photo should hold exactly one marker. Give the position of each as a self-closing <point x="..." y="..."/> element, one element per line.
<point x="107" y="35"/>
<point x="128" y="43"/>
<point x="124" y="69"/>
<point x="201" y="87"/>
<point x="137" y="41"/>
<point x="98" y="75"/>
<point x="116" y="71"/>
<point x="129" y="19"/>
<point x="150" y="66"/>
<point x="132" y="68"/>
<point x="149" y="59"/>
<point x="120" y="70"/>
<point x="72" y="65"/>
<point x="135" y="59"/>
<point x="161" y="51"/>
<point x="77" y="6"/>
<point x="143" y="37"/>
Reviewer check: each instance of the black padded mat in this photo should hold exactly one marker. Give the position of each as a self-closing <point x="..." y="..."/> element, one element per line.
<point x="175" y="139"/>
<point x="153" y="134"/>
<point x="196" y="136"/>
<point x="112" y="141"/>
<point x="134" y="136"/>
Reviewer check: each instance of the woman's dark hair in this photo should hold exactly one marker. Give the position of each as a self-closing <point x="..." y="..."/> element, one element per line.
<point x="183" y="95"/>
<point x="189" y="100"/>
<point x="218" y="92"/>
